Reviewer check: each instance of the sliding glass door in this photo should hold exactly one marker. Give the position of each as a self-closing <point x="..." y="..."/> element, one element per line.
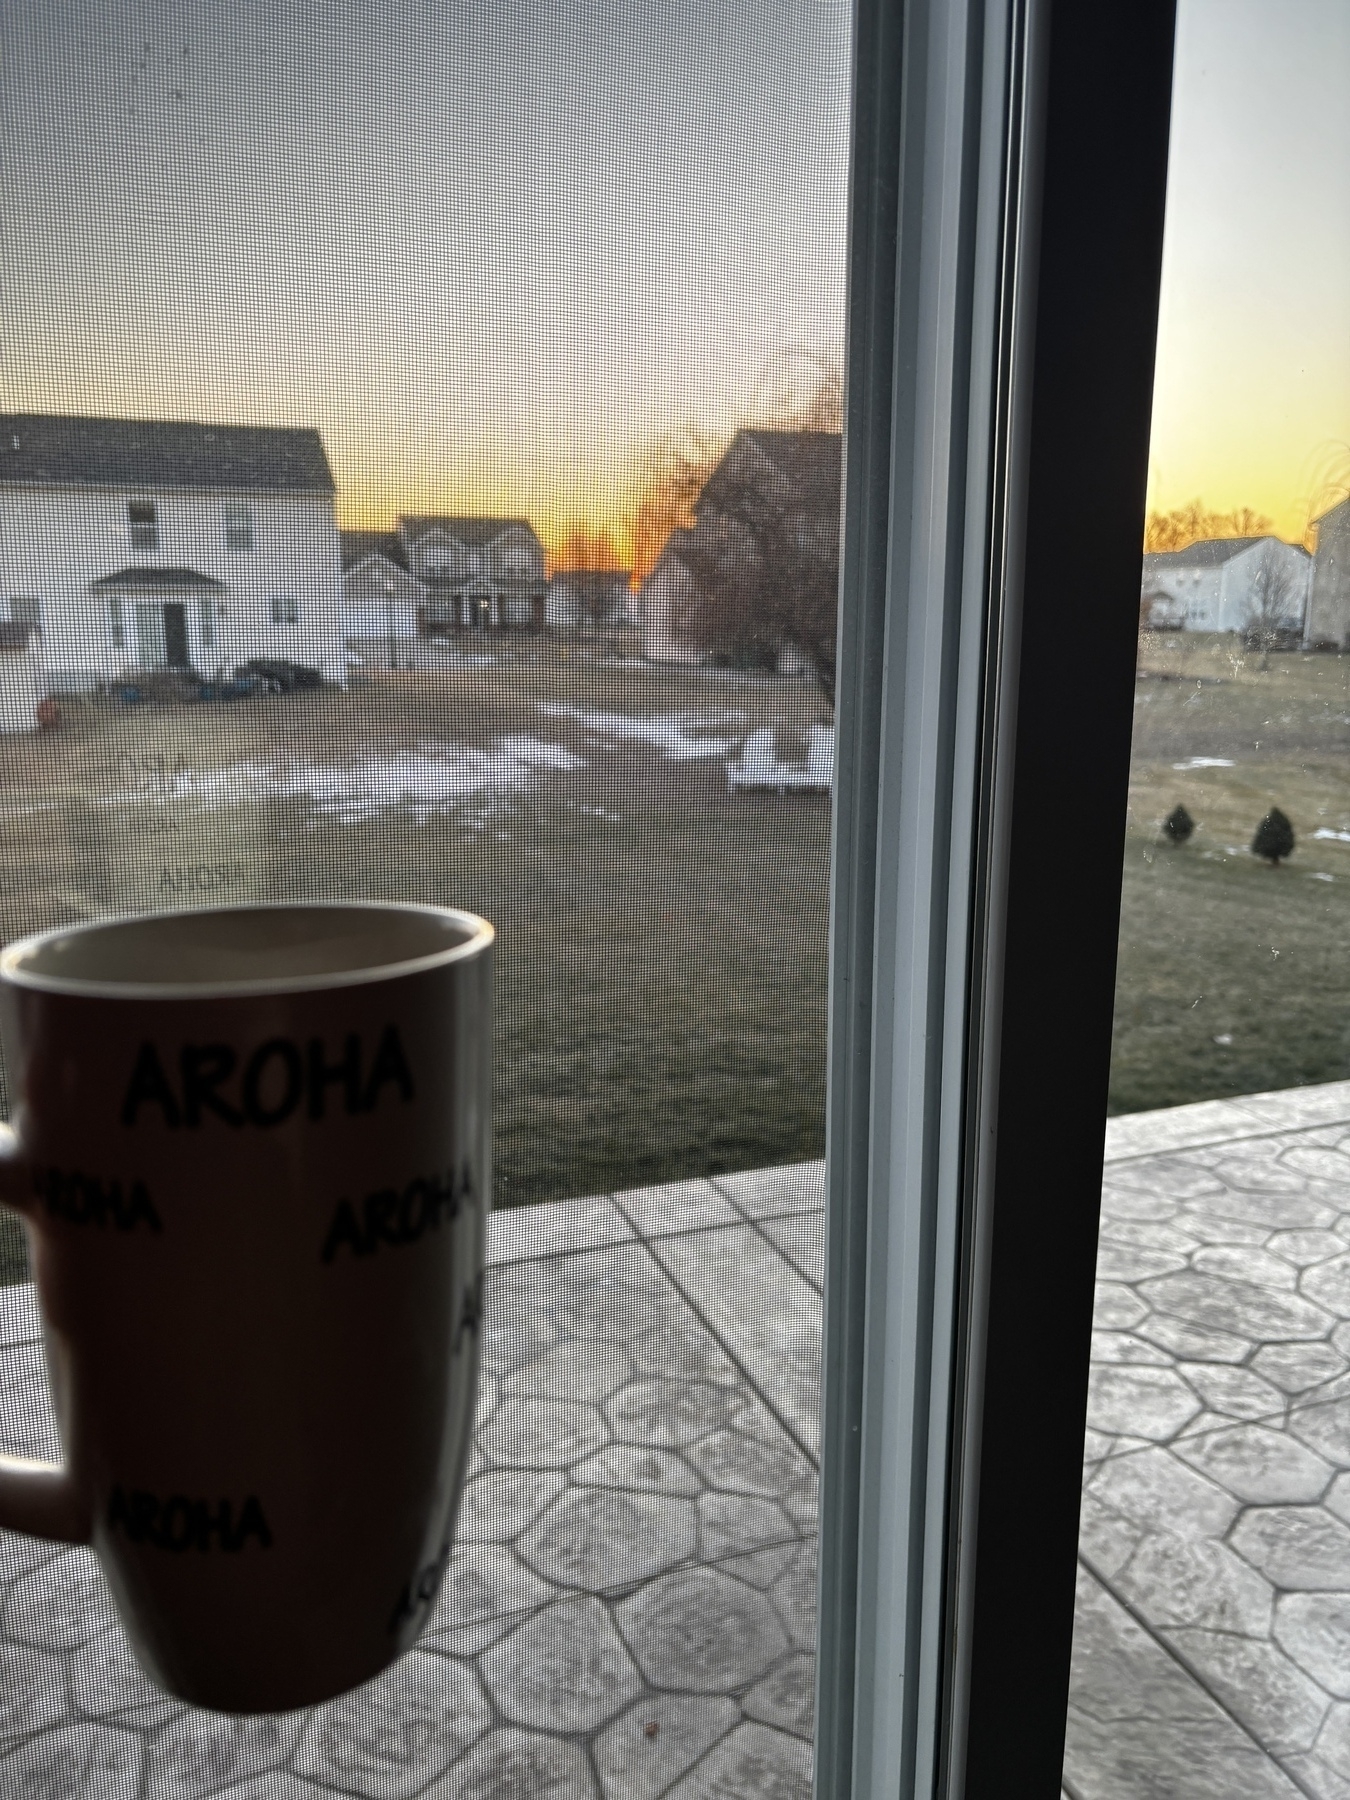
<point x="769" y="395"/>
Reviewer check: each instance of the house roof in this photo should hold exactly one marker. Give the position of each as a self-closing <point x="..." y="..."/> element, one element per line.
<point x="474" y="531"/>
<point x="357" y="545"/>
<point x="157" y="578"/>
<point x="50" y="449"/>
<point x="675" y="548"/>
<point x="812" y="462"/>
<point x="1209" y="553"/>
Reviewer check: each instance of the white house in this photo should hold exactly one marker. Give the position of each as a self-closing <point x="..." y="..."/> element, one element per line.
<point x="1329" y="605"/>
<point x="383" y="605"/>
<point x="478" y="573"/>
<point x="21" y="685"/>
<point x="668" y="596"/>
<point x="1227" y="584"/>
<point x="580" y="597"/>
<point x="137" y="545"/>
<point x="780" y="484"/>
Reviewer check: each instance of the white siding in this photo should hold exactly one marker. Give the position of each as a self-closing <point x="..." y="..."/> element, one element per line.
<point x="1222" y="598"/>
<point x="1329" y="591"/>
<point x="21" y="687"/>
<point x="1237" y="604"/>
<point x="55" y="543"/>
<point x="380" y="601"/>
<point x="666" y="594"/>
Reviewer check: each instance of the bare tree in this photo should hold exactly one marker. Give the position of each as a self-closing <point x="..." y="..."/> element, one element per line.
<point x="1194" y="522"/>
<point x="671" y="478"/>
<point x="765" y="559"/>
<point x="589" y="547"/>
<point x="1271" y="603"/>
<point x="763" y="551"/>
<point x="1327" y="480"/>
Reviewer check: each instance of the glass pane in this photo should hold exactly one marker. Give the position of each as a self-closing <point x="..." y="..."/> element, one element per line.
<point x="1213" y="1632"/>
<point x="420" y="481"/>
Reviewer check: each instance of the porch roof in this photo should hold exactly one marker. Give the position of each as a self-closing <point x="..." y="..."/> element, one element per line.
<point x="157" y="579"/>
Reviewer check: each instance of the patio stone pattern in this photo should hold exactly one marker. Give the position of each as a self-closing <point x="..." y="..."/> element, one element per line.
<point x="1212" y="1646"/>
<point x="629" y="1612"/>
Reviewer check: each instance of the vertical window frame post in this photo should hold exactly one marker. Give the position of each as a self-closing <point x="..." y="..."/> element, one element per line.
<point x="946" y="1611"/>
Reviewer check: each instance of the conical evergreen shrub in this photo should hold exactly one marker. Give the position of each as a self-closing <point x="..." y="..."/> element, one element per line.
<point x="1178" y="824"/>
<point x="1274" y="838"/>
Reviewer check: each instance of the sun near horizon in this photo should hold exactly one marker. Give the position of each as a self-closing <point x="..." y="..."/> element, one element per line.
<point x="511" y="323"/>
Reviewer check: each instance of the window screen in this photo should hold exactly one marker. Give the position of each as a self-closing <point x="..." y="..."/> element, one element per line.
<point x="510" y="343"/>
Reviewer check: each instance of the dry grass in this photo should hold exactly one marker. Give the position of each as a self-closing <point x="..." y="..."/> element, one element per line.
<point x="662" y="948"/>
<point x="661" y="974"/>
<point x="1216" y="945"/>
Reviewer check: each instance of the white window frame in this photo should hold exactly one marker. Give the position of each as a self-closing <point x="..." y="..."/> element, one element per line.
<point x="1007" y="186"/>
<point x="239" y="527"/>
<point x="145" y="533"/>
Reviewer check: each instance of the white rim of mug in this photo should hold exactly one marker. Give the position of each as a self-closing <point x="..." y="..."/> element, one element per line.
<point x="480" y="935"/>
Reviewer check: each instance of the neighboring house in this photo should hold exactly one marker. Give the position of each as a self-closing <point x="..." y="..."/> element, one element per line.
<point x="477" y="573"/>
<point x="383" y="604"/>
<point x="21" y="685"/>
<point x="1329" y="605"/>
<point x="597" y="597"/>
<point x="1227" y="584"/>
<point x="137" y="545"/>
<point x="668" y="597"/>
<point x="792" y="477"/>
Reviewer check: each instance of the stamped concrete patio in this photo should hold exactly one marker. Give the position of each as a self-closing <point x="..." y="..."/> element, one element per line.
<point x="630" y="1610"/>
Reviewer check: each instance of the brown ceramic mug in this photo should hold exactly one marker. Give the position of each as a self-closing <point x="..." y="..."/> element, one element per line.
<point x="251" y="1148"/>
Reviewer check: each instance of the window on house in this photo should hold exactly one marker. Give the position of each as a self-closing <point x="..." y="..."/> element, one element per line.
<point x="285" y="610"/>
<point x="143" y="523"/>
<point x="239" y="527"/>
<point x="26" y="609"/>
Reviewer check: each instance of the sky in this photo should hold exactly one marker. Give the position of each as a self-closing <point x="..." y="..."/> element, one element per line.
<point x="495" y="252"/>
<point x="1252" y="394"/>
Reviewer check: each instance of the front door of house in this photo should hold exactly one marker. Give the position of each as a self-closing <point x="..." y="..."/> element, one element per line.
<point x="150" y="635"/>
<point x="175" y="635"/>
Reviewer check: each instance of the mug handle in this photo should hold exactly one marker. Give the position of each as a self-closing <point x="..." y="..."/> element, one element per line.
<point x="40" y="1498"/>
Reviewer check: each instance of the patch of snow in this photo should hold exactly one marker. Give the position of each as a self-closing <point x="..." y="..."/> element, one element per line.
<point x="1206" y="762"/>
<point x="1325" y="831"/>
<point x="427" y="781"/>
<point x="668" y="732"/>
<point x="1320" y="875"/>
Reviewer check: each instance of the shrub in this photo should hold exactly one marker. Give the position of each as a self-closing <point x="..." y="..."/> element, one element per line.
<point x="1274" y="838"/>
<point x="1178" y="825"/>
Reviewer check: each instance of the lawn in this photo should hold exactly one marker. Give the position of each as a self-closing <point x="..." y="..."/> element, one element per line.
<point x="1234" y="976"/>
<point x="662" y="947"/>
